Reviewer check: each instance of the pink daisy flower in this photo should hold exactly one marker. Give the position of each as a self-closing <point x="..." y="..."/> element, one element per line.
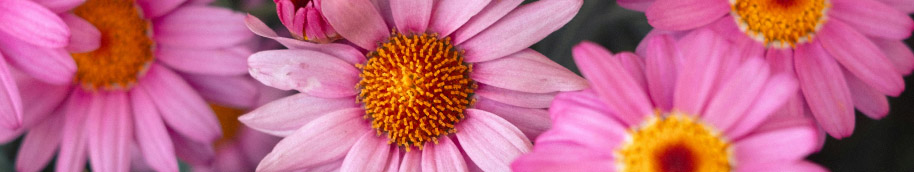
<point x="672" y="111"/>
<point x="446" y="85"/>
<point x="842" y="55"/>
<point x="129" y="93"/>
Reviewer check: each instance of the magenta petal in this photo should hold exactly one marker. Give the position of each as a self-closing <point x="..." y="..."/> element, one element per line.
<point x="635" y="67"/>
<point x="899" y="53"/>
<point x="109" y="131"/>
<point x="612" y="82"/>
<point x="222" y="62"/>
<point x="866" y="99"/>
<point x="905" y="6"/>
<point x="412" y="162"/>
<point x="283" y="116"/>
<point x="520" y="29"/>
<point x="40" y="144"/>
<point x="785" y="166"/>
<point x="151" y="134"/>
<point x="564" y="157"/>
<point x="685" y="14"/>
<point x="863" y="58"/>
<point x="637" y="5"/>
<point x="192" y="152"/>
<point x="321" y="141"/>
<point x="703" y="54"/>
<point x="201" y="27"/>
<point x="892" y="24"/>
<point x="72" y="156"/>
<point x="342" y="51"/>
<point x="485" y="18"/>
<point x="369" y="153"/>
<point x="10" y="101"/>
<point x="490" y="141"/>
<point x="51" y="65"/>
<point x="156" y="8"/>
<point x="661" y="63"/>
<point x="384" y="9"/>
<point x="516" y="98"/>
<point x="356" y="20"/>
<point x="526" y="71"/>
<point x="580" y="118"/>
<point x="532" y="122"/>
<point x="443" y="157"/>
<point x="411" y="16"/>
<point x="60" y="6"/>
<point x="393" y="161"/>
<point x="182" y="108"/>
<point x="84" y="36"/>
<point x="784" y="145"/>
<point x="236" y="91"/>
<point x="770" y="99"/>
<point x="450" y="15"/>
<point x="310" y="72"/>
<point x="737" y="94"/>
<point x="825" y="89"/>
<point x="43" y="99"/>
<point x="34" y="24"/>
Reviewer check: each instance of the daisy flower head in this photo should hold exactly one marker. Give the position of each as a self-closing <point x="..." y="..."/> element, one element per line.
<point x="129" y="92"/>
<point x="677" y="109"/>
<point x="425" y="85"/>
<point x="845" y="53"/>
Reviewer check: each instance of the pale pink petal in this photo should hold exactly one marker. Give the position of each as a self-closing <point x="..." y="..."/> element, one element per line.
<point x="221" y="62"/>
<point x="899" y="53"/>
<point x="866" y="99"/>
<point x="321" y="141"/>
<point x="532" y="122"/>
<point x="685" y="14"/>
<point x="737" y="94"/>
<point x="235" y="91"/>
<point x="151" y="134"/>
<point x="564" y="157"/>
<point x="580" y="115"/>
<point x="10" y="102"/>
<point x="411" y="16"/>
<point x="40" y="144"/>
<point x="862" y="58"/>
<point x="611" y="81"/>
<point x="191" y="152"/>
<point x="637" y="5"/>
<point x="450" y="15"/>
<point x="443" y="157"/>
<point x="60" y="6"/>
<point x="255" y="145"/>
<point x="784" y="145"/>
<point x="786" y="166"/>
<point x="182" y="108"/>
<point x="905" y="6"/>
<point x="345" y="52"/>
<point x="412" y="162"/>
<point x="703" y="53"/>
<point x="201" y="27"/>
<point x="825" y="89"/>
<point x="471" y="166"/>
<point x="369" y="153"/>
<point x="356" y="20"/>
<point x="283" y="116"/>
<point x="485" y="18"/>
<point x="109" y="131"/>
<point x="524" y="71"/>
<point x="776" y="92"/>
<point x="51" y="65"/>
<point x="310" y="72"/>
<point x="490" y="141"/>
<point x="516" y="98"/>
<point x="661" y="63"/>
<point x="72" y="156"/>
<point x="520" y="29"/>
<point x="84" y="37"/>
<point x="155" y="8"/>
<point x="34" y="24"/>
<point x="892" y="24"/>
<point x="393" y="161"/>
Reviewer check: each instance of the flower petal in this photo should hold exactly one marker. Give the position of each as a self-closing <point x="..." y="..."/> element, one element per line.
<point x="661" y="64"/>
<point x="151" y="134"/>
<point x="520" y="29"/>
<point x="532" y="122"/>
<point x="612" y="82"/>
<point x="563" y="157"/>
<point x="60" y="6"/>
<point x="789" y="166"/>
<point x="450" y="15"/>
<point x="784" y="145"/>
<point x="485" y="18"/>
<point x="703" y="54"/>
<point x="310" y="72"/>
<point x="737" y="94"/>
<point x="11" y="108"/>
<point x="369" y="153"/>
<point x="222" y="62"/>
<point x="862" y="58"/>
<point x="191" y="152"/>
<point x="685" y="14"/>
<point x="516" y="98"/>
<point x="345" y="52"/>
<point x="412" y="162"/>
<point x="443" y="156"/>
<point x="356" y="20"/>
<point x="109" y="131"/>
<point x="182" y="108"/>
<point x="825" y="89"/>
<point x="43" y="99"/>
<point x="904" y="6"/>
<point x="156" y="8"/>
<point x="525" y="72"/>
<point x="770" y="99"/>
<point x="411" y="16"/>
<point x="892" y="24"/>
<point x="582" y="119"/>
<point x="40" y="144"/>
<point x="51" y="65"/>
<point x="866" y="99"/>
<point x="637" y="5"/>
<point x="235" y="91"/>
<point x="283" y="116"/>
<point x="72" y="156"/>
<point x="321" y="141"/>
<point x="84" y="37"/>
<point x="899" y="53"/>
<point x="490" y="141"/>
<point x="215" y="28"/>
<point x="34" y="24"/>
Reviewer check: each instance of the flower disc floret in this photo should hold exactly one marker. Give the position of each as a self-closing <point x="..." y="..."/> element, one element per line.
<point x="125" y="49"/>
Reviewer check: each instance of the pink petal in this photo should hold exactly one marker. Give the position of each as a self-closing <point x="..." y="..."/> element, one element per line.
<point x="661" y="63"/>
<point x="781" y="61"/>
<point x="892" y="24"/>
<point x="532" y="122"/>
<point x="869" y="101"/>
<point x="685" y="14"/>
<point x="43" y="99"/>
<point x="899" y="53"/>
<point x="109" y="131"/>
<point x="905" y="6"/>
<point x="566" y="157"/>
<point x="310" y="72"/>
<point x="40" y="144"/>
<point x="369" y="153"/>
<point x="393" y="162"/>
<point x="611" y="82"/>
<point x="635" y="67"/>
<point x="72" y="156"/>
<point x="412" y="162"/>
<point x="637" y="5"/>
<point x="516" y="98"/>
<point x="321" y="141"/>
<point x="345" y="52"/>
<point x="191" y="152"/>
<point x="863" y="58"/>
<point x="151" y="134"/>
<point x="443" y="157"/>
<point x="10" y="102"/>
<point x="357" y="20"/>
<point x="182" y="108"/>
<point x="703" y="53"/>
<point x="235" y="91"/>
<point x="84" y="37"/>
<point x="411" y="16"/>
<point x="51" y="65"/>
<point x="490" y="141"/>
<point x="520" y="29"/>
<point x="155" y="8"/>
<point x="222" y="62"/>
<point x="450" y="15"/>
<point x="581" y="119"/>
<point x="524" y="71"/>
<point x="485" y="18"/>
<point x="34" y="24"/>
<point x="825" y="89"/>
<point x="737" y="94"/>
<point x="201" y="27"/>
<point x="785" y="145"/>
<point x="384" y="9"/>
<point x="769" y="100"/>
<point x="788" y="166"/>
<point x="283" y="116"/>
<point x="60" y="6"/>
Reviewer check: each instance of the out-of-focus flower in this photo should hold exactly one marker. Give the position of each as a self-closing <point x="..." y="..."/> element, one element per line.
<point x="842" y="57"/>
<point x="672" y="111"/>
<point x="444" y="85"/>
<point x="129" y="93"/>
<point x="305" y="20"/>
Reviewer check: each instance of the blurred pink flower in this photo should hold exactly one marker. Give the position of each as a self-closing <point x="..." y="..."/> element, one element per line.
<point x="673" y="111"/>
<point x="129" y="93"/>
<point x="305" y="21"/>
<point x="446" y="85"/>
<point x="842" y="56"/>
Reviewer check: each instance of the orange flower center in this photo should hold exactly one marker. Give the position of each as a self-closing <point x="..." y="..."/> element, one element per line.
<point x="415" y="88"/>
<point x="125" y="50"/>
<point x="228" y="119"/>
<point x="675" y="143"/>
<point x="780" y="23"/>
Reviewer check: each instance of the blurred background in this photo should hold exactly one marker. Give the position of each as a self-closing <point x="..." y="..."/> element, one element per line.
<point x="876" y="145"/>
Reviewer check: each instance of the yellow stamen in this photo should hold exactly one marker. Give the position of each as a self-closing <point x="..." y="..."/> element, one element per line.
<point x="125" y="49"/>
<point x="674" y="143"/>
<point x="780" y="23"/>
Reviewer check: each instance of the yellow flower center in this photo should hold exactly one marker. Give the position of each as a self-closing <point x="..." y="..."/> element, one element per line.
<point x="415" y="88"/>
<point x="125" y="50"/>
<point x="228" y="119"/>
<point x="780" y="23"/>
<point x="675" y="143"/>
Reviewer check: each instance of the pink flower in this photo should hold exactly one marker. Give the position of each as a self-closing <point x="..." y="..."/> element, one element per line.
<point x="673" y="111"/>
<point x="442" y="85"/>
<point x="32" y="38"/>
<point x="842" y="56"/>
<point x="129" y="93"/>
<point x="304" y="20"/>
